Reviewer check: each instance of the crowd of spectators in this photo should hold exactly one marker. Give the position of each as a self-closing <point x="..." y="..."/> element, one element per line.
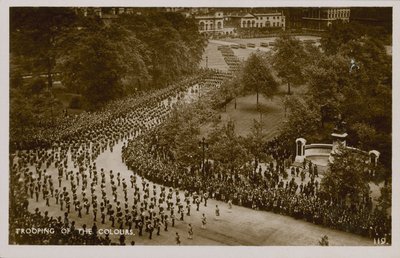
<point x="273" y="188"/>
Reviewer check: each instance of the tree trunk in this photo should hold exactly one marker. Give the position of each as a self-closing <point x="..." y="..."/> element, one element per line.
<point x="235" y="102"/>
<point x="257" y="99"/>
<point x="288" y="88"/>
<point x="49" y="74"/>
<point x="285" y="110"/>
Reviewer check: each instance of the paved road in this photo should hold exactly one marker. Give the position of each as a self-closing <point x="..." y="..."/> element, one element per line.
<point x="238" y="226"/>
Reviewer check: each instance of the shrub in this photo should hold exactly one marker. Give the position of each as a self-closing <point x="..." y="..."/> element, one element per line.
<point x="75" y="102"/>
<point x="37" y="85"/>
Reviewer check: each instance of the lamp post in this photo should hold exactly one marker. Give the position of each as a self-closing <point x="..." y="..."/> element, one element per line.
<point x="203" y="145"/>
<point x="199" y="88"/>
<point x="206" y="61"/>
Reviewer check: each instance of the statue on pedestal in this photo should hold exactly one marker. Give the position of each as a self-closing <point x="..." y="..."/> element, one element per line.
<point x="340" y="125"/>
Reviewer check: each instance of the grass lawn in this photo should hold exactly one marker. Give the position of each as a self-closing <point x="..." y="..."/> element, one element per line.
<point x="65" y="97"/>
<point x="272" y="110"/>
<point x="272" y="114"/>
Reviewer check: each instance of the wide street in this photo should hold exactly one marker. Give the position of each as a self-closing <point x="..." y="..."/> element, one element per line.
<point x="236" y="226"/>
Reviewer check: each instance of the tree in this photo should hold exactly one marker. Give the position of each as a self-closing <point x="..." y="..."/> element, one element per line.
<point x="340" y="33"/>
<point x="187" y="143"/>
<point x="94" y="66"/>
<point x="230" y="89"/>
<point x="385" y="200"/>
<point x="133" y="56"/>
<point x="255" y="142"/>
<point x="32" y="116"/>
<point x="21" y="115"/>
<point x="347" y="175"/>
<point x="227" y="148"/>
<point x="34" y="33"/>
<point x="362" y="95"/>
<point x="257" y="77"/>
<point x="173" y="43"/>
<point x="289" y="60"/>
<point x="365" y="134"/>
<point x="303" y="119"/>
<point x="37" y="85"/>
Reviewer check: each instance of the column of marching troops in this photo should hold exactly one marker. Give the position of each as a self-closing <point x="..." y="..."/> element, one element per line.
<point x="109" y="199"/>
<point x="80" y="188"/>
<point x="230" y="58"/>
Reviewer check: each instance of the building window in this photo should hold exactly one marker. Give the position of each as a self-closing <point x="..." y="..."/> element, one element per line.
<point x="201" y="25"/>
<point x="273" y="24"/>
<point x="244" y="24"/>
<point x="219" y="25"/>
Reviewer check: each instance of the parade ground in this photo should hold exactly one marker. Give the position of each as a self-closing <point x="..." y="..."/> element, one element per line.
<point x="236" y="226"/>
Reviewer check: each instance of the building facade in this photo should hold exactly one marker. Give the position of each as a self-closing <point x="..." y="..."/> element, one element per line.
<point x="275" y="20"/>
<point x="320" y="18"/>
<point x="212" y="23"/>
<point x="261" y="20"/>
<point x="219" y="24"/>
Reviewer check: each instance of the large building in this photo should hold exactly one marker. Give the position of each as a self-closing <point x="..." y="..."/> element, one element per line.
<point x="211" y="23"/>
<point x="375" y="16"/>
<point x="261" y="20"/>
<point x="218" y="23"/>
<point x="294" y="17"/>
<point x="320" y="18"/>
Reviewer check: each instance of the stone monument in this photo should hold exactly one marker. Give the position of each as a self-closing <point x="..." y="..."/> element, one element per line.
<point x="339" y="134"/>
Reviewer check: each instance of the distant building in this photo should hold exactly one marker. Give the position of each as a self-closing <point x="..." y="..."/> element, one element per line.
<point x="294" y="17"/>
<point x="373" y="16"/>
<point x="174" y="9"/>
<point x="211" y="23"/>
<point x="218" y="24"/>
<point x="320" y="18"/>
<point x="261" y="20"/>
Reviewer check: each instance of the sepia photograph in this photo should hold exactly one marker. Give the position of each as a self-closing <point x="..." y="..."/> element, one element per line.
<point x="200" y="126"/>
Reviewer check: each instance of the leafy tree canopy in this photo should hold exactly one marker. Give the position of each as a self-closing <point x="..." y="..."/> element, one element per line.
<point x="289" y="59"/>
<point x="347" y="176"/>
<point x="257" y="76"/>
